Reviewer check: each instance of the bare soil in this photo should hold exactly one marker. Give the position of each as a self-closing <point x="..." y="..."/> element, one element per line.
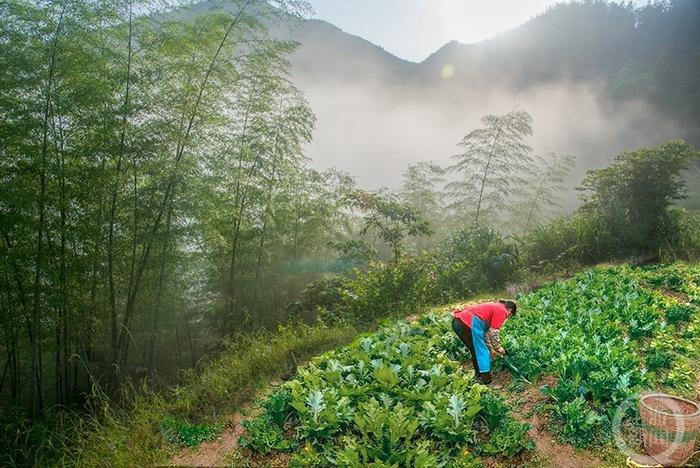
<point x="549" y="451"/>
<point x="217" y="451"/>
<point x="212" y="453"/>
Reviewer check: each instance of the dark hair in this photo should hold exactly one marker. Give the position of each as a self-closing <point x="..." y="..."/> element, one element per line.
<point x="510" y="305"/>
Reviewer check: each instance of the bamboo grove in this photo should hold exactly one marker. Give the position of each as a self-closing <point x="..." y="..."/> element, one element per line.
<point x="152" y="183"/>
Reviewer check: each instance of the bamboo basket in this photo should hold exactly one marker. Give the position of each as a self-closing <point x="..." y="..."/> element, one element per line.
<point x="669" y="427"/>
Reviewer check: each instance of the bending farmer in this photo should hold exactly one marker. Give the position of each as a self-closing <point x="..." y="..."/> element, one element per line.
<point x="477" y="326"/>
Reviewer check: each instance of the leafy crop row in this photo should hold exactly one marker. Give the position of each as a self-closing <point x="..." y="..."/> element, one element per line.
<point x="398" y="397"/>
<point x="605" y="336"/>
<point x="675" y="277"/>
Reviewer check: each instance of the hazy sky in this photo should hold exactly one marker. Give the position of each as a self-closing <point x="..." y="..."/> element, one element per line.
<point x="413" y="29"/>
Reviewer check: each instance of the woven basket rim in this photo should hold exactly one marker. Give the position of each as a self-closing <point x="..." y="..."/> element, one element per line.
<point x="642" y="401"/>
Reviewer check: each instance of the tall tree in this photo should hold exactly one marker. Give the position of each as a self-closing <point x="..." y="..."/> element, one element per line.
<point x="107" y="118"/>
<point x="392" y="220"/>
<point x="420" y="190"/>
<point x="492" y="163"/>
<point x="633" y="195"/>
<point x="539" y="198"/>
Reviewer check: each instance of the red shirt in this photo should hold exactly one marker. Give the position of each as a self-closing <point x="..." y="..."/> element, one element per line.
<point x="494" y="314"/>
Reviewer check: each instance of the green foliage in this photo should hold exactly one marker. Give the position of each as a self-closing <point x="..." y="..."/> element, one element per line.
<point x="567" y="242"/>
<point x="658" y="358"/>
<point x="509" y="439"/>
<point x="495" y="410"/>
<point x="385" y="433"/>
<point x="679" y="313"/>
<point x="564" y="391"/>
<point x="277" y="406"/>
<point x="596" y="332"/>
<point x="264" y="435"/>
<point x="469" y="261"/>
<point x="321" y="413"/>
<point x="126" y="436"/>
<point x="395" y="398"/>
<point x="475" y="259"/>
<point x="325" y="298"/>
<point x="581" y="424"/>
<point x="392" y="289"/>
<point x="183" y="434"/>
<point x="628" y="210"/>
<point x="633" y="195"/>
<point x="680" y="376"/>
<point x="451" y="418"/>
<point x="574" y="329"/>
<point x="392" y="220"/>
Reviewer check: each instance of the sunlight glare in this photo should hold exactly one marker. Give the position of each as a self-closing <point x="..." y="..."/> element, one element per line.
<point x="447" y="71"/>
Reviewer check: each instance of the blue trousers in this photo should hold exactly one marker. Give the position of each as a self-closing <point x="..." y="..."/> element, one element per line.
<point x="474" y="339"/>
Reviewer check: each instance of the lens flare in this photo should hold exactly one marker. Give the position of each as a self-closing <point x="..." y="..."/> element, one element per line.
<point x="447" y="71"/>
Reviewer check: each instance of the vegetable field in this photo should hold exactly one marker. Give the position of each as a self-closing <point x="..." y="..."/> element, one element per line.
<point x="401" y="396"/>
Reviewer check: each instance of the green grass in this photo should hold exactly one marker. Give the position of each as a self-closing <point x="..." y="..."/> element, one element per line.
<point x="179" y="433"/>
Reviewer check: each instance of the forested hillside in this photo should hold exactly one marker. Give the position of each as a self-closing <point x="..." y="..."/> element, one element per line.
<point x="162" y="219"/>
<point x="142" y="165"/>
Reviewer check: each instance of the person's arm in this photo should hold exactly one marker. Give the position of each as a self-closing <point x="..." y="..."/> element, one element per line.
<point x="493" y="341"/>
<point x="498" y="318"/>
<point x="489" y="344"/>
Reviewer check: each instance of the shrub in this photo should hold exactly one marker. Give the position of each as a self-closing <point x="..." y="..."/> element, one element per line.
<point x="394" y="288"/>
<point x="581" y="238"/>
<point x="475" y="259"/>
<point x="321" y="295"/>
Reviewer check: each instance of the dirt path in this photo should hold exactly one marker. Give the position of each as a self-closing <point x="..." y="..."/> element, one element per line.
<point x="551" y="452"/>
<point x="220" y="451"/>
<point x="213" y="453"/>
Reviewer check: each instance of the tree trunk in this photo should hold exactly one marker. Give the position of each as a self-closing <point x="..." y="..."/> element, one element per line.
<point x="151" y="358"/>
<point x="115" y="193"/>
<point x="35" y="392"/>
<point x="266" y="213"/>
<point x="483" y="179"/>
<point x="179" y="153"/>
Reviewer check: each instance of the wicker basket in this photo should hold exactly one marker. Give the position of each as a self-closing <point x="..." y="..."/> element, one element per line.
<point x="669" y="427"/>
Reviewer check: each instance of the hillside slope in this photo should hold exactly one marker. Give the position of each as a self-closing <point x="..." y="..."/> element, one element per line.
<point x="400" y="396"/>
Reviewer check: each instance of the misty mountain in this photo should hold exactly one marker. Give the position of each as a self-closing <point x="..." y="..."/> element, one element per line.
<point x="651" y="53"/>
<point x="322" y="44"/>
<point x="598" y="78"/>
